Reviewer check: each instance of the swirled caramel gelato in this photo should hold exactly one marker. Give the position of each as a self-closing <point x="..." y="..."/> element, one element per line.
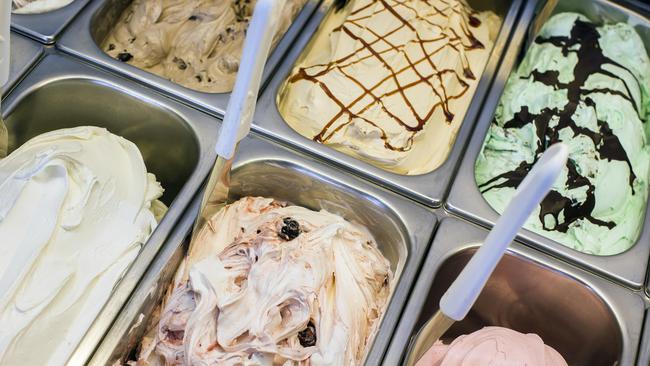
<point x="195" y="43"/>
<point x="265" y="283"/>
<point x="389" y="82"/>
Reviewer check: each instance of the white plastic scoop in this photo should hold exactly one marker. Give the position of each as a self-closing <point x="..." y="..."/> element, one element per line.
<point x="5" y="23"/>
<point x="463" y="292"/>
<point x="239" y="113"/>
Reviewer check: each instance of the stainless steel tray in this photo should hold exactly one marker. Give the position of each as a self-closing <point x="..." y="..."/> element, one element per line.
<point x="46" y="27"/>
<point x="589" y="320"/>
<point x="84" y="37"/>
<point x="175" y="141"/>
<point x="24" y="54"/>
<point x="465" y="198"/>
<point x="402" y="229"/>
<point x="429" y="189"/>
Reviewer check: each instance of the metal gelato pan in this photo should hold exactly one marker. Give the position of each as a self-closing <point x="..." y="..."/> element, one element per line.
<point x="46" y="27"/>
<point x="175" y="141"/>
<point x="85" y="35"/>
<point x="589" y="320"/>
<point x="430" y="188"/>
<point x="402" y="230"/>
<point x="465" y="198"/>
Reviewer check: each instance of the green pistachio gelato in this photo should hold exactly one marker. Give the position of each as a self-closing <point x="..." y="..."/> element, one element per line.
<point x="587" y="86"/>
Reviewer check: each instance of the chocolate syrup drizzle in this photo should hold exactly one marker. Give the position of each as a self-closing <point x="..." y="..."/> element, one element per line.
<point x="376" y="48"/>
<point x="591" y="60"/>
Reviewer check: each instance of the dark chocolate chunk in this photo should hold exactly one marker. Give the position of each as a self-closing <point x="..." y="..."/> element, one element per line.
<point x="111" y="47"/>
<point x="193" y="17"/>
<point x="124" y="56"/>
<point x="290" y="230"/>
<point x="307" y="336"/>
<point x="474" y="21"/>
<point x="180" y="63"/>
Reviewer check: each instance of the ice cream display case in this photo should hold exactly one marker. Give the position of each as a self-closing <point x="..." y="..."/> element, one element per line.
<point x="197" y="53"/>
<point x="584" y="220"/>
<point x="409" y="122"/>
<point x="44" y="20"/>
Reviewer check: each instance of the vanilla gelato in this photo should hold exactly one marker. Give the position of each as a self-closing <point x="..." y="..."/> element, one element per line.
<point x="265" y="283"/>
<point x="37" y="6"/>
<point x="389" y="82"/>
<point x="195" y="43"/>
<point x="76" y="206"/>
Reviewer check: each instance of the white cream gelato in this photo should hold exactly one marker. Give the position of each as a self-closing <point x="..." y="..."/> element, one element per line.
<point x="269" y="284"/>
<point x="389" y="82"/>
<point x="76" y="206"/>
<point x="37" y="6"/>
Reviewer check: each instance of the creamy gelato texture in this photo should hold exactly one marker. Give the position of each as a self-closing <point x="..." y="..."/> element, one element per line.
<point x="389" y="82"/>
<point x="195" y="43"/>
<point x="37" y="6"/>
<point x="586" y="86"/>
<point x="265" y="283"/>
<point x="493" y="346"/>
<point x="76" y="206"/>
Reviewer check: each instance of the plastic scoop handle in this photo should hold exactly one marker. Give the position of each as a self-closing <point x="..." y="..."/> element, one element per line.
<point x="462" y="294"/>
<point x="239" y="113"/>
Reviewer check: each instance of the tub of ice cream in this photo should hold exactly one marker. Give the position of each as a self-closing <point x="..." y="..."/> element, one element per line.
<point x="400" y="229"/>
<point x="586" y="319"/>
<point x="387" y="90"/>
<point x="195" y="59"/>
<point x="44" y="20"/>
<point x="571" y="87"/>
<point x="159" y="144"/>
<point x="24" y="54"/>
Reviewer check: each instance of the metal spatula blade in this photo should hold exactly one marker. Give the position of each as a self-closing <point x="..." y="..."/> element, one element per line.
<point x="239" y="113"/>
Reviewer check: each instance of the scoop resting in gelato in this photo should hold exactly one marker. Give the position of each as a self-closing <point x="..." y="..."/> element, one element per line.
<point x="37" y="6"/>
<point x="493" y="346"/>
<point x="587" y="86"/>
<point x="265" y="283"/>
<point x="389" y="82"/>
<point x="76" y="206"/>
<point x="195" y="43"/>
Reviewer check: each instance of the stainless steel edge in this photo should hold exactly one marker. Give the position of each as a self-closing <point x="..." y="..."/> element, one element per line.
<point x="56" y="70"/>
<point x="46" y="27"/>
<point x="628" y="268"/>
<point x="455" y="235"/>
<point x="78" y="40"/>
<point x="24" y="54"/>
<point x="429" y="189"/>
<point x="417" y="224"/>
<point x="644" y="348"/>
